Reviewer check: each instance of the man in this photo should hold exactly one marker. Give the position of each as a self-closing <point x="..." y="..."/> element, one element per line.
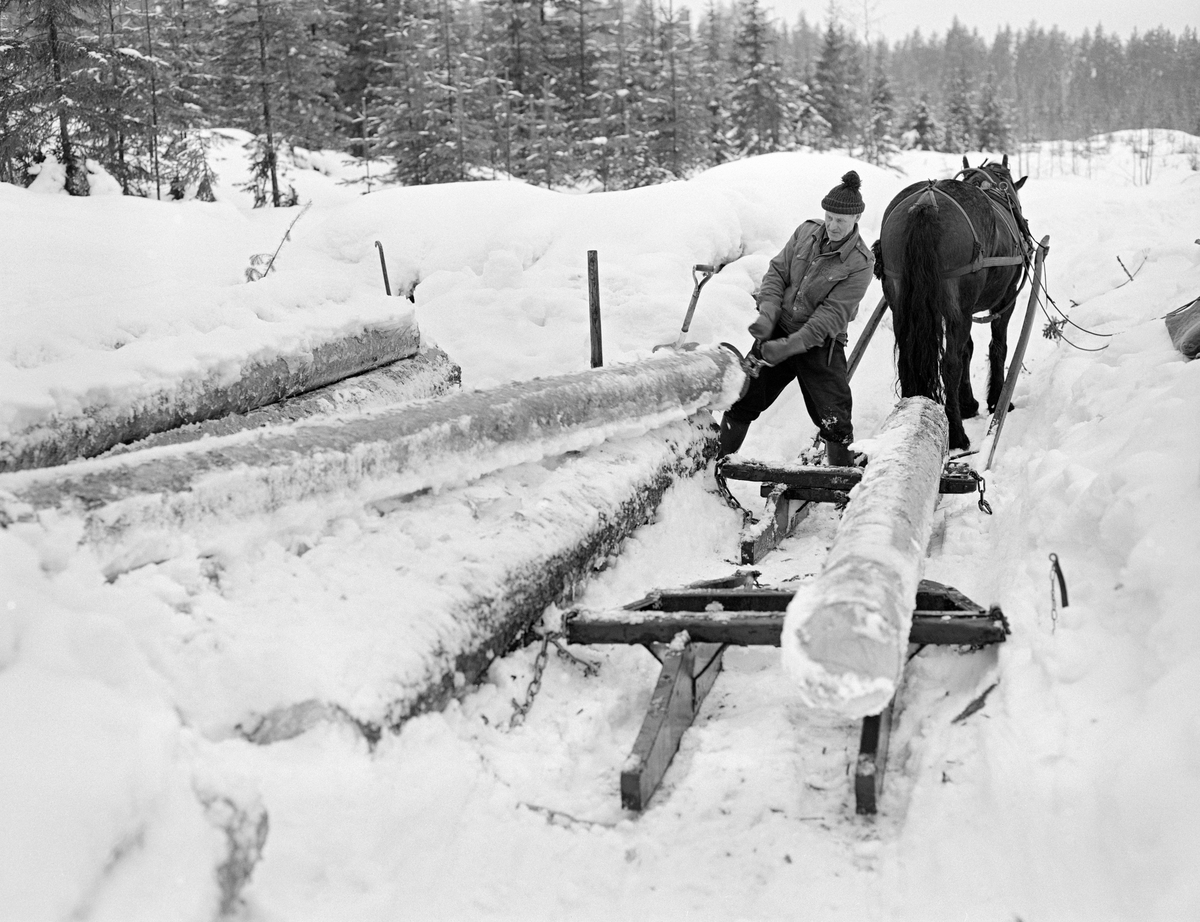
<point x="807" y="298"/>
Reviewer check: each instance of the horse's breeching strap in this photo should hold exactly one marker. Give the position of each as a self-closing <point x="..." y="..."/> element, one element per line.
<point x="1004" y="211"/>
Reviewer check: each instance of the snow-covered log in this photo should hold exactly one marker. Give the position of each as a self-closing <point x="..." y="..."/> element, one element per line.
<point x="846" y="633"/>
<point x="153" y="494"/>
<point x="93" y="429"/>
<point x="425" y="624"/>
<point x="429" y="373"/>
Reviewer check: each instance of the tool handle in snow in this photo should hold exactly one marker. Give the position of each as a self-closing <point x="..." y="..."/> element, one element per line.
<point x="387" y="287"/>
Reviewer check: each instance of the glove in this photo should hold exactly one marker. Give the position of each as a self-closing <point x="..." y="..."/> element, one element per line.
<point x="762" y="327"/>
<point x="774" y="351"/>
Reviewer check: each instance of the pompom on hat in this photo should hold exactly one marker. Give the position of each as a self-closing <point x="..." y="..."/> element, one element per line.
<point x="844" y="198"/>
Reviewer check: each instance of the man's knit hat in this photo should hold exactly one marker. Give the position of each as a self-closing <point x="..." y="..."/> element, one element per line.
<point x="844" y="198"/>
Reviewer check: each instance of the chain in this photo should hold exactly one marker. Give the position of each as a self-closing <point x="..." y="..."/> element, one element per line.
<point x="521" y="709"/>
<point x="961" y="467"/>
<point x="1053" y="604"/>
<point x="727" y="495"/>
<point x="984" y="506"/>
<point x="589" y="668"/>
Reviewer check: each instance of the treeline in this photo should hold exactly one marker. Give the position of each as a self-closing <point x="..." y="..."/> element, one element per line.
<point x="601" y="93"/>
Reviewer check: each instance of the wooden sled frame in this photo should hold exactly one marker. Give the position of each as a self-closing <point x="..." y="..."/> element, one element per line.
<point x="688" y="630"/>
<point x="791" y="489"/>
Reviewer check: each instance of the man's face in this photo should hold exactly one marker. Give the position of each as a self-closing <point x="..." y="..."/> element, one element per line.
<point x="838" y="226"/>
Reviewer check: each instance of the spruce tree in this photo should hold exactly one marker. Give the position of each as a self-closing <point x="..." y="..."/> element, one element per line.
<point x="276" y="83"/>
<point x="54" y="93"/>
<point x="715" y="86"/>
<point x="922" y="131"/>
<point x="994" y="128"/>
<point x="880" y="141"/>
<point x="961" y="117"/>
<point x="755" y="106"/>
<point x="837" y="85"/>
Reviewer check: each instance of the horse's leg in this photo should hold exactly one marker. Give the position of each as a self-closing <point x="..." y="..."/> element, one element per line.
<point x="957" y="330"/>
<point x="966" y="395"/>
<point x="997" y="352"/>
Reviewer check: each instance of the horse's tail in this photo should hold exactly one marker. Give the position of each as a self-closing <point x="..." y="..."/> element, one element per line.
<point x="923" y="304"/>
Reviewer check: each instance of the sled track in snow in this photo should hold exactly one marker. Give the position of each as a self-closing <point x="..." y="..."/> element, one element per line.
<point x="689" y="630"/>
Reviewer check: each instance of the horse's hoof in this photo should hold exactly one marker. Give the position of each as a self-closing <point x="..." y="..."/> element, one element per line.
<point x="970" y="410"/>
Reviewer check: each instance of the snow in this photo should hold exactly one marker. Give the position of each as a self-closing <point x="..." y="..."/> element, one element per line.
<point x="1068" y="795"/>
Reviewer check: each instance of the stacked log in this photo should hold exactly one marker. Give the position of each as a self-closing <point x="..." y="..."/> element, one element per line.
<point x="429" y="373"/>
<point x="93" y="430"/>
<point x="394" y="451"/>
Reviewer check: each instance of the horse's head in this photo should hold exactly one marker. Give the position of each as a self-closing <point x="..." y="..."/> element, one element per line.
<point x="990" y="175"/>
<point x="996" y="180"/>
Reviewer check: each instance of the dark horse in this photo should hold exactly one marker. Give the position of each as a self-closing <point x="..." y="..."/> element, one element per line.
<point x="948" y="250"/>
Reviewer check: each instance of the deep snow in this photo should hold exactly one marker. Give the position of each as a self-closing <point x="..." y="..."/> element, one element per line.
<point x="1068" y="796"/>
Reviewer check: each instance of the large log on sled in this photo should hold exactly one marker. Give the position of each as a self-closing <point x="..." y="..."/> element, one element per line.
<point x="846" y="633"/>
<point x="398" y="451"/>
<point x="93" y="430"/>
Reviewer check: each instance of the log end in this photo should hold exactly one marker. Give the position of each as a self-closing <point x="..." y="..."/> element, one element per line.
<point x="852" y="675"/>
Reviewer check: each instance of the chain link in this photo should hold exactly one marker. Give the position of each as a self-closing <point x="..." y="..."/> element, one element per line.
<point x="962" y="467"/>
<point x="521" y="708"/>
<point x="1056" y="575"/>
<point x="1053" y="604"/>
<point x="727" y="495"/>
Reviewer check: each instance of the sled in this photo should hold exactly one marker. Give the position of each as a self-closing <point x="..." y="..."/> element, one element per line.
<point x="687" y="630"/>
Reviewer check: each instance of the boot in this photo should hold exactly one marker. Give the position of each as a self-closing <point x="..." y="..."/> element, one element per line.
<point x="733" y="433"/>
<point x="838" y="455"/>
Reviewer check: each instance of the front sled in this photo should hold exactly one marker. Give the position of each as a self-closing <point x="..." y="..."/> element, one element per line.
<point x="688" y="630"/>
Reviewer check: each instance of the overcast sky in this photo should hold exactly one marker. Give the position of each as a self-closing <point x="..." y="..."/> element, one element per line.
<point x="897" y="18"/>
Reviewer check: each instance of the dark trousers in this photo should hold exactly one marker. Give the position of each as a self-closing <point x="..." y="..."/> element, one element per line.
<point x="821" y="374"/>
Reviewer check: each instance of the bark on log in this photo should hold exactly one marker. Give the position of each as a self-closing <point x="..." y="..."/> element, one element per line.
<point x="427" y="445"/>
<point x="429" y="373"/>
<point x="95" y="430"/>
<point x="846" y="633"/>
<point x="595" y="501"/>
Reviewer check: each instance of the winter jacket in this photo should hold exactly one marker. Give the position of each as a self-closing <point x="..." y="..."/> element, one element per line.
<point x="810" y="297"/>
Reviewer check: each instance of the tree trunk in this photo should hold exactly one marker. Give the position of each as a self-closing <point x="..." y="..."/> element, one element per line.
<point x="77" y="182"/>
<point x="846" y="633"/>
<point x="264" y="84"/>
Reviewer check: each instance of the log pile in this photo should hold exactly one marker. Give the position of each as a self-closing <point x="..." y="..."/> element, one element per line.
<point x="94" y="430"/>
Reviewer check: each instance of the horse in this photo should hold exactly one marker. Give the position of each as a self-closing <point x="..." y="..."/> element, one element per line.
<point x="947" y="251"/>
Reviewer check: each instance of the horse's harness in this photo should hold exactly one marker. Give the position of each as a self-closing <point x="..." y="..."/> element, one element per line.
<point x="1007" y="212"/>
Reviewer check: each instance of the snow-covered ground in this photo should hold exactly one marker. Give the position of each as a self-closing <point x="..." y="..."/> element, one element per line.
<point x="1069" y="795"/>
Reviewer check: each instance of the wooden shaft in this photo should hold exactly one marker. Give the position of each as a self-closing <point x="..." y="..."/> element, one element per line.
<point x="762" y="628"/>
<point x="1014" y="366"/>
<point x="864" y="337"/>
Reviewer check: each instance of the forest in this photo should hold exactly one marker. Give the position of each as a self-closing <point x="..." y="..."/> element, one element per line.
<point x="581" y="94"/>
